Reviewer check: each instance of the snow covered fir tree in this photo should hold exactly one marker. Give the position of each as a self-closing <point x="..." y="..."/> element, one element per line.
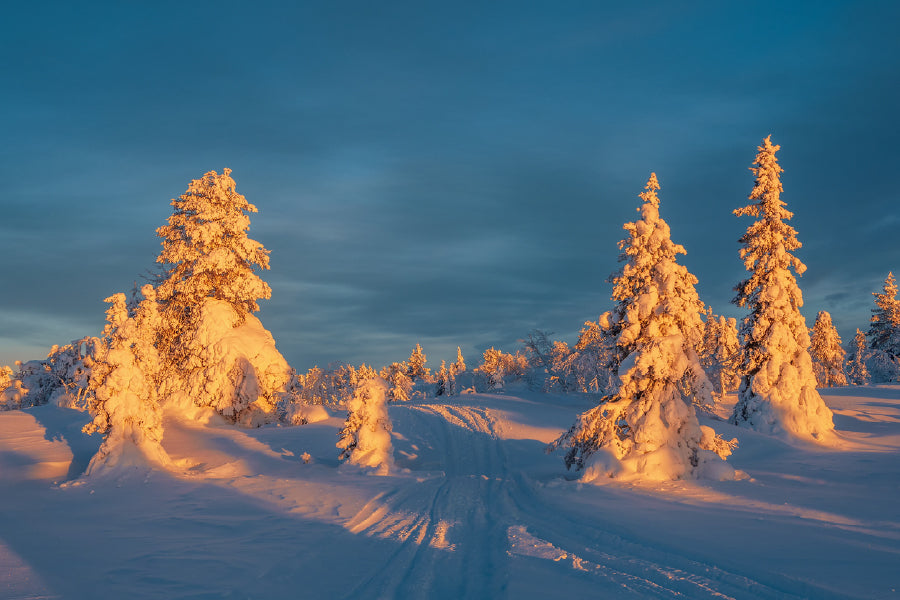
<point x="647" y="427"/>
<point x="124" y="381"/>
<point x="778" y="386"/>
<point x="827" y="353"/>
<point x="719" y="352"/>
<point x="219" y="355"/>
<point x="883" y="359"/>
<point x="857" y="371"/>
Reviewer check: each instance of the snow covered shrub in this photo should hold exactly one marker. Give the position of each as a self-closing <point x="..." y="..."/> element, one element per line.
<point x="365" y="439"/>
<point x="856" y="360"/>
<point x="12" y="392"/>
<point x="778" y="386"/>
<point x="826" y="352"/>
<point x="499" y="369"/>
<point x="647" y="426"/>
<point x="123" y="393"/>
<point x="549" y="361"/>
<point x="883" y="367"/>
<point x="61" y="378"/>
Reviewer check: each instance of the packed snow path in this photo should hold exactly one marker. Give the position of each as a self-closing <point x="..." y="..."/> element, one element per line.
<point x="458" y="532"/>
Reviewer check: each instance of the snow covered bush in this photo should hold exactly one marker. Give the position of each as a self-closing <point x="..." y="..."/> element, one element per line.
<point x="778" y="386"/>
<point x="499" y="369"/>
<point x="827" y="353"/>
<point x="61" y="378"/>
<point x="365" y="439"/>
<point x="647" y="426"/>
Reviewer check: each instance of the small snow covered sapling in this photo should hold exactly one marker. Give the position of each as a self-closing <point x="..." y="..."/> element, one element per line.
<point x="778" y="388"/>
<point x="365" y="439"/>
<point x="827" y="353"/>
<point x="442" y="385"/>
<point x="416" y="369"/>
<point x="123" y="387"/>
<point x="647" y="427"/>
<point x="719" y="352"/>
<point x="857" y="371"/>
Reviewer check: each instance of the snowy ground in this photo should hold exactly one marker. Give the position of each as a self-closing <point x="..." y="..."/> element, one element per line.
<point x="478" y="511"/>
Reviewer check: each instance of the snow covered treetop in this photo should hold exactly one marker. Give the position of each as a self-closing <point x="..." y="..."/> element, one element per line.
<point x="206" y="248"/>
<point x="768" y="242"/>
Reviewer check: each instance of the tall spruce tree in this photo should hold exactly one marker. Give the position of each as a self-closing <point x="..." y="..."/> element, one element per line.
<point x="827" y="353"/>
<point x="648" y="427"/>
<point x="778" y="387"/>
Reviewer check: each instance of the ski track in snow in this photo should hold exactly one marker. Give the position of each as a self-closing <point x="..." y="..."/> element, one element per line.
<point x="455" y="533"/>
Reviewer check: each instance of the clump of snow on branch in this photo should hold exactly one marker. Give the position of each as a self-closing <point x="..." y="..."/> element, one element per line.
<point x="365" y="439"/>
<point x="648" y="427"/>
<point x="778" y="388"/>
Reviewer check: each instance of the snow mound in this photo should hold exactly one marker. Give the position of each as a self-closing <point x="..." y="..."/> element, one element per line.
<point x="366" y="436"/>
<point x="238" y="371"/>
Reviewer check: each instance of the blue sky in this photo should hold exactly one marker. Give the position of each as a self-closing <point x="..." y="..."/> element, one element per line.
<point x="453" y="174"/>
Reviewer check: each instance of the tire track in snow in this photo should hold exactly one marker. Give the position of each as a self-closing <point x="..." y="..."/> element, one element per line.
<point x="451" y="542"/>
<point x="457" y="533"/>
